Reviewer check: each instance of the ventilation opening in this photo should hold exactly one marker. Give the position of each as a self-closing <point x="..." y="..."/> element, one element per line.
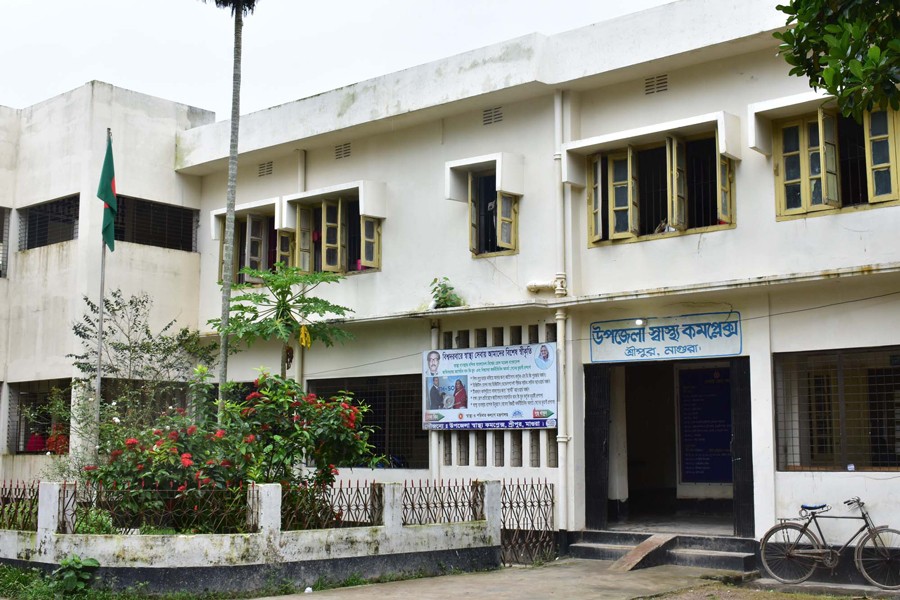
<point x="492" y="115"/>
<point x="342" y="150"/>
<point x="655" y="85"/>
<point x="265" y="169"/>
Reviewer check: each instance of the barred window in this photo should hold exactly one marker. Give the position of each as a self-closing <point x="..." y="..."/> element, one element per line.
<point x="838" y="410"/>
<point x="49" y="223"/>
<point x="396" y="413"/>
<point x="31" y="420"/>
<point x="156" y="224"/>
<point x="4" y="240"/>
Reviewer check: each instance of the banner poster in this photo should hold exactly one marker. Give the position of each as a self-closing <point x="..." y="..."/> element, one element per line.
<point x="702" y="335"/>
<point x="505" y="387"/>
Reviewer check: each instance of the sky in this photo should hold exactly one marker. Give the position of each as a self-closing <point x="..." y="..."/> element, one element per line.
<point x="181" y="50"/>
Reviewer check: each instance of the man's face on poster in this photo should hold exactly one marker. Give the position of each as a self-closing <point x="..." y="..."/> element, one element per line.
<point x="433" y="359"/>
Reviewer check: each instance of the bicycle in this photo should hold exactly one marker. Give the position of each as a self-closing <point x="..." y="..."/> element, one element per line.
<point x="791" y="551"/>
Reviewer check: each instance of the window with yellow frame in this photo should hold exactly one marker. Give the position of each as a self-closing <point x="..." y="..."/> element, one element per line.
<point x="676" y="184"/>
<point x="825" y="161"/>
<point x="333" y="236"/>
<point x="258" y="244"/>
<point x="493" y="216"/>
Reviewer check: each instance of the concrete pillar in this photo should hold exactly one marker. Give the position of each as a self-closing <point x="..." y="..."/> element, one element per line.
<point x="392" y="515"/>
<point x="493" y="510"/>
<point x="268" y="507"/>
<point x="51" y="501"/>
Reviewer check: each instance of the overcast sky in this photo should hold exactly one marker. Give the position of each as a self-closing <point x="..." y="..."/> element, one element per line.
<point x="182" y="49"/>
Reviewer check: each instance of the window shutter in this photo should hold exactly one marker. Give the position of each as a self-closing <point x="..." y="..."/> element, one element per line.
<point x="370" y="231"/>
<point x="881" y="155"/>
<point x="343" y="267"/>
<point x="724" y="179"/>
<point x="284" y="250"/>
<point x="255" y="245"/>
<point x="506" y="221"/>
<point x="633" y="208"/>
<point x="677" y="188"/>
<point x="595" y="213"/>
<point x="331" y="240"/>
<point x="473" y="216"/>
<point x="304" y="239"/>
<point x="828" y="152"/>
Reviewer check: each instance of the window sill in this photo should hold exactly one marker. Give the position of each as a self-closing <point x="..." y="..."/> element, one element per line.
<point x="836" y="210"/>
<point x="493" y="254"/>
<point x="659" y="236"/>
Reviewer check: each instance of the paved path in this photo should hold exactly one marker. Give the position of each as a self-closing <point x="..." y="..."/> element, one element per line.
<point x="569" y="579"/>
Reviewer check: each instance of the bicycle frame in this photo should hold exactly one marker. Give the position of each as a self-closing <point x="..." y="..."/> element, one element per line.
<point x="814" y="518"/>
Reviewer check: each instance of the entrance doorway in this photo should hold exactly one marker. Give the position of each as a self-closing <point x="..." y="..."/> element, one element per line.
<point x="667" y="447"/>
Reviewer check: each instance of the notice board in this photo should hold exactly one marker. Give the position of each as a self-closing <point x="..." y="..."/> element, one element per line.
<point x="704" y="397"/>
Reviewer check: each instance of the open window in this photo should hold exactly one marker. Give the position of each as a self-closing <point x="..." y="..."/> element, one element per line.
<point x="823" y="160"/>
<point x="258" y="242"/>
<point x="338" y="229"/>
<point x="675" y="184"/>
<point x="492" y="186"/>
<point x="664" y="178"/>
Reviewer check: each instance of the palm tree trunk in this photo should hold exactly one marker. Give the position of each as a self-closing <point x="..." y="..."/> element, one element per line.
<point x="228" y="258"/>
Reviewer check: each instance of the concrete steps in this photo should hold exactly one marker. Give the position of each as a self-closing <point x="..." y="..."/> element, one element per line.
<point x="637" y="550"/>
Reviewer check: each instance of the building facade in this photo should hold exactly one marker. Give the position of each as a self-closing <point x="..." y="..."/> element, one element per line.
<point x="707" y="244"/>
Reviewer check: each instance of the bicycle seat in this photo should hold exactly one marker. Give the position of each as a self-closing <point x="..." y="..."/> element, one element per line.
<point x="814" y="507"/>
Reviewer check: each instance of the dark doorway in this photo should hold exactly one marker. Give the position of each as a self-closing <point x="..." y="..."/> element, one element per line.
<point x="688" y="456"/>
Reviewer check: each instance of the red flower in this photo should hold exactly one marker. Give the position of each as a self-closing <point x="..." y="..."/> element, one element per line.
<point x="182" y="487"/>
<point x="179" y="410"/>
<point x="173" y="450"/>
<point x="173" y="435"/>
<point x="186" y="455"/>
<point x="140" y="467"/>
<point x="334" y="470"/>
<point x="158" y="443"/>
<point x="220" y="433"/>
<point x="225" y="463"/>
<point x="295" y="404"/>
<point x="249" y="439"/>
<point x="295" y="418"/>
<point x="253" y="395"/>
<point x="205" y="481"/>
<point x="192" y="430"/>
<point x="186" y="462"/>
<point x="247" y="411"/>
<point x="90" y="467"/>
<point x="211" y="462"/>
<point x="157" y="432"/>
<point x="344" y="405"/>
<point x="265" y="427"/>
<point x="131" y="442"/>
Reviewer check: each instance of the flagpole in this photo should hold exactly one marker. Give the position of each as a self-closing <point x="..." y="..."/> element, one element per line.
<point x="96" y="407"/>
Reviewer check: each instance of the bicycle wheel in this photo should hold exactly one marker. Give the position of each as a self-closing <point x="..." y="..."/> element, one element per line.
<point x="878" y="558"/>
<point x="789" y="553"/>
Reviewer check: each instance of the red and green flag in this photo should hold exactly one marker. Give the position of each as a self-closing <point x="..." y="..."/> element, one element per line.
<point x="107" y="193"/>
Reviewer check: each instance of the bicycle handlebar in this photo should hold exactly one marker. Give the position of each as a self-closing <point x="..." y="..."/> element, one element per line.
<point x="854" y="501"/>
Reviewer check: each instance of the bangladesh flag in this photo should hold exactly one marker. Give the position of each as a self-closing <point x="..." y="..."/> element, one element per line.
<point x="107" y="193"/>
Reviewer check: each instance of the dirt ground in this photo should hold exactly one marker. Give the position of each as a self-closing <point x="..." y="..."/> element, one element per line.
<point x="725" y="592"/>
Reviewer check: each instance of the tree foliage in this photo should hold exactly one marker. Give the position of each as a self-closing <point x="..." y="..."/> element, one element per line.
<point x="283" y="308"/>
<point x="850" y="48"/>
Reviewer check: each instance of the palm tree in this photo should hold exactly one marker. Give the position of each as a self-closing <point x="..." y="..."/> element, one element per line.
<point x="239" y="8"/>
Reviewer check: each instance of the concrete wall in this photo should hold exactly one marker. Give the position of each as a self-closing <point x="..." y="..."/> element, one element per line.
<point x="249" y="561"/>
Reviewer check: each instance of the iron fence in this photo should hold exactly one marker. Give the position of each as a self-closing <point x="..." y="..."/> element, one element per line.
<point x="19" y="505"/>
<point x="527" y="534"/>
<point x="431" y="502"/>
<point x="322" y="507"/>
<point x="108" y="509"/>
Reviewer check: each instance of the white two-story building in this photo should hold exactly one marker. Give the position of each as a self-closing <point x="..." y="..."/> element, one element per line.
<point x="707" y="245"/>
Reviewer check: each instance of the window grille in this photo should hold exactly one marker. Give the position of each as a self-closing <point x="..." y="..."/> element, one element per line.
<point x="342" y="150"/>
<point x="396" y="413"/>
<point x="265" y="168"/>
<point x="4" y="240"/>
<point x="656" y="84"/>
<point x="489" y="116"/>
<point x="48" y="223"/>
<point x="29" y="414"/>
<point x="838" y="410"/>
<point x="156" y="224"/>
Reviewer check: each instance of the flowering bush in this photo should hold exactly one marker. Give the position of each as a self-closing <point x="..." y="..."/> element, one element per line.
<point x="277" y="434"/>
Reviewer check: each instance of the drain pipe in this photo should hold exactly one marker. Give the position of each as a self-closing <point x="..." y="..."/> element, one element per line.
<point x="434" y="437"/>
<point x="300" y="355"/>
<point x="559" y="288"/>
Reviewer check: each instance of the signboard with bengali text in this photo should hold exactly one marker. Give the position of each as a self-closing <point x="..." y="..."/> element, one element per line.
<point x="504" y="387"/>
<point x="702" y="335"/>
